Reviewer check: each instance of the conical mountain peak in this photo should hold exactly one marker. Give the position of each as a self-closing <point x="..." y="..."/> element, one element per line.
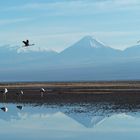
<point x="89" y="42"/>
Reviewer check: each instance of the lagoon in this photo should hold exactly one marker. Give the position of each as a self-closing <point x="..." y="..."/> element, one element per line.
<point x="70" y="121"/>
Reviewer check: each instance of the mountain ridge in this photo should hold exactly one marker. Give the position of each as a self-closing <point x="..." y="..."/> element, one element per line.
<point x="77" y="62"/>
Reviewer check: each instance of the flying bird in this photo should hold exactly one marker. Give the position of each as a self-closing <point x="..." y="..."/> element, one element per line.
<point x="27" y="44"/>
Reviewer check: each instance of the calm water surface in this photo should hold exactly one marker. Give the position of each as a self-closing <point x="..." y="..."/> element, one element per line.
<point x="84" y="121"/>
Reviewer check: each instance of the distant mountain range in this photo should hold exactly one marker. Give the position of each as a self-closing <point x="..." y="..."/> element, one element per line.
<point x="87" y="59"/>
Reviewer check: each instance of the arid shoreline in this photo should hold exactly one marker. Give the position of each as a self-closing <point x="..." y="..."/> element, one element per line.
<point x="77" y="87"/>
<point x="73" y="92"/>
<point x="71" y="84"/>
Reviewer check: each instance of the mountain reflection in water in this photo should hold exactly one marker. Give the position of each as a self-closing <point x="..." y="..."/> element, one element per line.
<point x="71" y="121"/>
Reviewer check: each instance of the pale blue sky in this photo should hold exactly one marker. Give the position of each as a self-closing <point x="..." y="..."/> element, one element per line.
<point x="56" y="24"/>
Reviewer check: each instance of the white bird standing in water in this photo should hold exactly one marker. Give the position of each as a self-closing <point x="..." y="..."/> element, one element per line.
<point x="42" y="91"/>
<point x="5" y="90"/>
<point x="4" y="93"/>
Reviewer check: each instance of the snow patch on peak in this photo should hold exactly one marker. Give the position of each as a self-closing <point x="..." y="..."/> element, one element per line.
<point x="36" y="49"/>
<point x="89" y="42"/>
<point x="19" y="49"/>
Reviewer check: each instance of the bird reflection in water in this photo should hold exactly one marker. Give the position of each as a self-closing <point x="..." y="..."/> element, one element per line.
<point x="20" y="107"/>
<point x="19" y="97"/>
<point x="4" y="92"/>
<point x="4" y="109"/>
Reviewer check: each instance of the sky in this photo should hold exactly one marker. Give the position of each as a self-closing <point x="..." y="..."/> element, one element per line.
<point x="57" y="24"/>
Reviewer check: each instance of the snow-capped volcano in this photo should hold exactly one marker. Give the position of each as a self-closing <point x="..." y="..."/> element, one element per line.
<point x="86" y="50"/>
<point x="89" y="42"/>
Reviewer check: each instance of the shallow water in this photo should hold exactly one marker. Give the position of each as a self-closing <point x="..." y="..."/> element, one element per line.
<point x="85" y="121"/>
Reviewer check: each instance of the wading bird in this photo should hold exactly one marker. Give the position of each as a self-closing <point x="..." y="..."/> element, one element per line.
<point x="27" y="44"/>
<point x="42" y="91"/>
<point x="4" y="93"/>
<point x="19" y="94"/>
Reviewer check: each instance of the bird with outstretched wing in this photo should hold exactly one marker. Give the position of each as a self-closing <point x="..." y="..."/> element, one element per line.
<point x="26" y="43"/>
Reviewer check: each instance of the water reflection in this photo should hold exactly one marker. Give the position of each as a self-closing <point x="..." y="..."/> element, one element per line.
<point x="71" y="121"/>
<point x="5" y="109"/>
<point x="20" y="107"/>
